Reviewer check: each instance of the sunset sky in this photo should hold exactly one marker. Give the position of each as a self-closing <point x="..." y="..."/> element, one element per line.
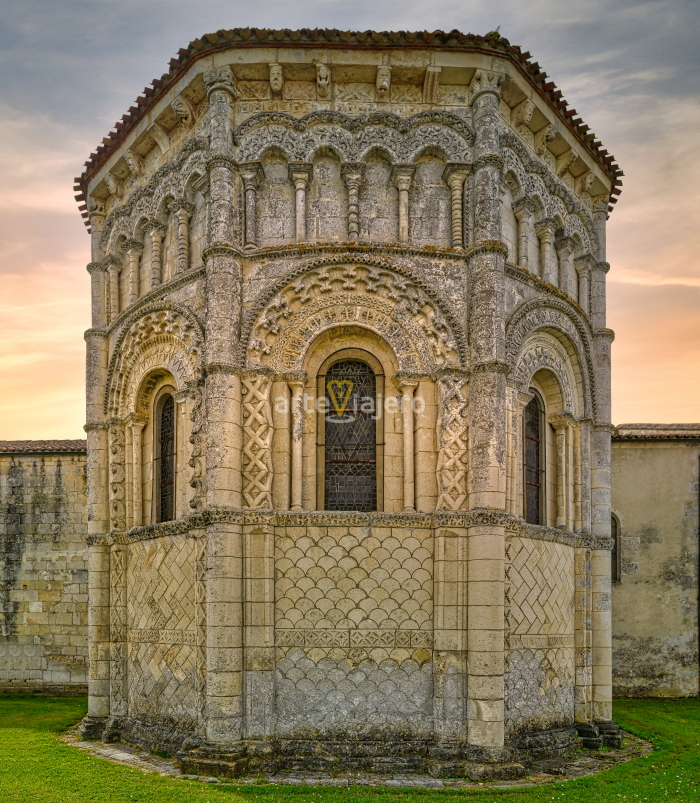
<point x="71" y="68"/>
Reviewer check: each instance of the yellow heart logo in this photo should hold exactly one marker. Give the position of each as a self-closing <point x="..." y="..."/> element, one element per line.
<point x="339" y="391"/>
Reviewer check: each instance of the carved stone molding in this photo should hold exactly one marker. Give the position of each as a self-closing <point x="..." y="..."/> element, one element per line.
<point x="257" y="441"/>
<point x="452" y="442"/>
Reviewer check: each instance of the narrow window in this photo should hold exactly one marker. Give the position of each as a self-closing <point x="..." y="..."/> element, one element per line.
<point x="166" y="461"/>
<point x="350" y="458"/>
<point x="615" y="551"/>
<point x="533" y="461"/>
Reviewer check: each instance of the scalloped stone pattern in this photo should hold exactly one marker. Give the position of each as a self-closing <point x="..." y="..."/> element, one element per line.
<point x="339" y="697"/>
<point x="357" y="578"/>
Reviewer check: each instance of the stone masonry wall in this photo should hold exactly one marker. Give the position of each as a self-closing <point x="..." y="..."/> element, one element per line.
<point x="43" y="572"/>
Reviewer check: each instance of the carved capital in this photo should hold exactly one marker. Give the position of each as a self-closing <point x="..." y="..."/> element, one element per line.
<point x="524" y="208"/>
<point x="220" y="79"/>
<point x="251" y="173"/>
<point x="402" y="176"/>
<point x="486" y="81"/>
<point x="95" y="267"/>
<point x="182" y="208"/>
<point x="604" y="334"/>
<point x="111" y="262"/>
<point x="584" y="264"/>
<point x="602" y="266"/>
<point x="565" y="247"/>
<point x="220" y="160"/>
<point x="131" y="245"/>
<point x="488" y="160"/>
<point x="545" y="229"/>
<point x="455" y="173"/>
<point x="155" y="229"/>
<point x="353" y="173"/>
<point x="560" y="420"/>
<point x="300" y="174"/>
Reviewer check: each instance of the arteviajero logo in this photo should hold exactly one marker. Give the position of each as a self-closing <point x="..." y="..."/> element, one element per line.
<point x="339" y="392"/>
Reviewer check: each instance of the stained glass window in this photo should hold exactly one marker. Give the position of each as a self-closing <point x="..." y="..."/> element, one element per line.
<point x="350" y="437"/>
<point x="614" y="552"/>
<point x="533" y="468"/>
<point x="166" y="461"/>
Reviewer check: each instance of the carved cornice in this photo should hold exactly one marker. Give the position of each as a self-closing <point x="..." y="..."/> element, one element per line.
<point x="486" y="247"/>
<point x="492" y="367"/>
<point x="402" y="124"/>
<point x="97" y="333"/>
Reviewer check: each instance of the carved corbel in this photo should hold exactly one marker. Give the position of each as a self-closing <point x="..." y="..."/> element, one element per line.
<point x="521" y="115"/>
<point x="584" y="182"/>
<point x="323" y="82"/>
<point x="564" y="162"/>
<point x="114" y="185"/>
<point x="402" y="176"/>
<point x="383" y="84"/>
<point x="161" y="137"/>
<point x="353" y="173"/>
<point x="454" y="175"/>
<point x="184" y="110"/>
<point x="276" y="78"/>
<point x="251" y="173"/>
<point x="431" y="85"/>
<point x="543" y="137"/>
<point x="300" y="174"/>
<point x="134" y="161"/>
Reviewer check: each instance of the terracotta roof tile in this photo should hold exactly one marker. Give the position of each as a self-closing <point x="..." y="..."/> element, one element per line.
<point x="43" y="447"/>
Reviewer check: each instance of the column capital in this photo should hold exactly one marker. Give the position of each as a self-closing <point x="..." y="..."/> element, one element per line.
<point x="602" y="266"/>
<point x="95" y="267"/>
<point x="251" y="173"/>
<point x="129" y="246"/>
<point x="488" y="160"/>
<point x="221" y="79"/>
<point x="456" y="172"/>
<point x="546" y="229"/>
<point x="111" y="262"/>
<point x="300" y="174"/>
<point x="97" y="212"/>
<point x="584" y="264"/>
<point x="352" y="172"/>
<point x="524" y="208"/>
<point x="155" y="229"/>
<point x="565" y="246"/>
<point x="405" y="385"/>
<point x="181" y="207"/>
<point x="560" y="420"/>
<point x="487" y="81"/>
<point x="135" y="421"/>
<point x="296" y="386"/>
<point x="402" y="175"/>
<point x="220" y="160"/>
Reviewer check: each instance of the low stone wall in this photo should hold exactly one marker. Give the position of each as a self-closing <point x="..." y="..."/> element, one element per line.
<point x="43" y="568"/>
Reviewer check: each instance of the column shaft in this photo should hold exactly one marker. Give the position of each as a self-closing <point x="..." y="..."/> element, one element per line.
<point x="409" y="485"/>
<point x="297" y="431"/>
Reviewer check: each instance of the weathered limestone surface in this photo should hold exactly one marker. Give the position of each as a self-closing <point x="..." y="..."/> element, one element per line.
<point x="655" y="496"/>
<point x="43" y="567"/>
<point x="426" y="211"/>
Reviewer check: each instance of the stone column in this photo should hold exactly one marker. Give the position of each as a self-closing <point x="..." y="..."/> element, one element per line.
<point x="582" y="635"/>
<point x="353" y="173"/>
<point x="118" y="705"/>
<point x="561" y="425"/>
<point x="402" y="176"/>
<point x="137" y="425"/>
<point x="96" y="214"/>
<point x="300" y="174"/>
<point x="598" y="312"/>
<point x="98" y="294"/>
<point x="156" y="232"/>
<point x="113" y="267"/>
<point x="251" y="173"/>
<point x="133" y="250"/>
<point x="512" y="447"/>
<point x="98" y="639"/>
<point x="523" y="210"/>
<point x="583" y="269"/>
<point x="545" y="231"/>
<point x="523" y="400"/>
<point x="601" y="623"/>
<point x="297" y="430"/>
<point x="182" y="210"/>
<point x="454" y="175"/>
<point x="407" y="388"/>
<point x="487" y="417"/>
<point x="565" y="248"/>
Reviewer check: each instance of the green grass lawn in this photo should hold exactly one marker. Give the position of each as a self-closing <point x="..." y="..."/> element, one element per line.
<point x="36" y="767"/>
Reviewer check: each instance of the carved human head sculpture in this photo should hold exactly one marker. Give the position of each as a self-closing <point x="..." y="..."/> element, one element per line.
<point x="323" y="81"/>
<point x="522" y="113"/>
<point x="183" y="110"/>
<point x="383" y="82"/>
<point x="276" y="78"/>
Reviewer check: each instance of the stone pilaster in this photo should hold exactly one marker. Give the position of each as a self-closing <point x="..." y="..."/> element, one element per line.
<point x="98" y="641"/>
<point x="487" y="417"/>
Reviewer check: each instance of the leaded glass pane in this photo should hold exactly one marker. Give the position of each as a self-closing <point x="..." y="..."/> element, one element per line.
<point x="351" y="439"/>
<point x="533" y="462"/>
<point x="166" y="484"/>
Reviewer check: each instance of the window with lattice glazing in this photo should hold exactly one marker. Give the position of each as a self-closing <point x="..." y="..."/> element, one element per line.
<point x="533" y="461"/>
<point x="350" y="437"/>
<point x="166" y="461"/>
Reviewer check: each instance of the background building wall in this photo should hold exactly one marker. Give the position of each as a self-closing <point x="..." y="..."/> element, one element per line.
<point x="43" y="566"/>
<point x="655" y="602"/>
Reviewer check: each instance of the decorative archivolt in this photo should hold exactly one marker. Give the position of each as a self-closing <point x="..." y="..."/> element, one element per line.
<point x="161" y="339"/>
<point x="572" y="332"/>
<point x="543" y="351"/>
<point x="536" y="179"/>
<point x="171" y="180"/>
<point x="373" y="295"/>
<point x="354" y="138"/>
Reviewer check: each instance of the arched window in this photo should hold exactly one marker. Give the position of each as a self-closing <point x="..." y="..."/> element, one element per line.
<point x="534" y="446"/>
<point x="350" y="438"/>
<point x="165" y="460"/>
<point x="615" y="551"/>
